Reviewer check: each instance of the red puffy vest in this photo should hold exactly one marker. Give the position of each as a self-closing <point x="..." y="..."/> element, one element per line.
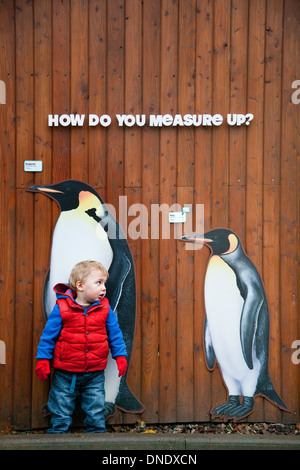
<point x="82" y="344"/>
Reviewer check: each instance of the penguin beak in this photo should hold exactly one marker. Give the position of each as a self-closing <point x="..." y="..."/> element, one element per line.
<point x="44" y="189"/>
<point x="194" y="238"/>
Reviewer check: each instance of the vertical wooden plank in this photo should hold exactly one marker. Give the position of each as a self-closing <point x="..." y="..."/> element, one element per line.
<point x="167" y="268"/>
<point x="185" y="183"/>
<point x="257" y="18"/>
<point x="133" y="92"/>
<point x="98" y="43"/>
<point x="238" y="105"/>
<point x="257" y="12"/>
<point x="24" y="230"/>
<point x="185" y="320"/>
<point x="186" y="90"/>
<point x="24" y="91"/>
<point x="115" y="99"/>
<point x="238" y="90"/>
<point x="42" y="244"/>
<point x="221" y="86"/>
<point x="61" y="86"/>
<point x="273" y="71"/>
<point x="271" y="279"/>
<point x="43" y="206"/>
<point x="79" y="88"/>
<point x="289" y="208"/>
<point x="150" y="195"/>
<point x="221" y="82"/>
<point x="23" y="313"/>
<point x="43" y="88"/>
<point x="271" y="194"/>
<point x="203" y="152"/>
<point x="133" y="196"/>
<point x="7" y="208"/>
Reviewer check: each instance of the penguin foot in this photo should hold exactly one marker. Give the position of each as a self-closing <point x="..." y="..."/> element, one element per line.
<point x="226" y="409"/>
<point x="233" y="409"/>
<point x="110" y="409"/>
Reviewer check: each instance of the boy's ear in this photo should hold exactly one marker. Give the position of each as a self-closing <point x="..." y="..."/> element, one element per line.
<point x="79" y="286"/>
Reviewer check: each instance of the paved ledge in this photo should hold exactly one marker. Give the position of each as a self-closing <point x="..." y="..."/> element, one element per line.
<point x="161" y="442"/>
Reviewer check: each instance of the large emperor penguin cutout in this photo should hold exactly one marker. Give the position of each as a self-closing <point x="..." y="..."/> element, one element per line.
<point x="236" y="325"/>
<point x="85" y="229"/>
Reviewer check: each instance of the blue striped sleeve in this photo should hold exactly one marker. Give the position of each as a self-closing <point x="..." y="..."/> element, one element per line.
<point x="115" y="336"/>
<point x="50" y="334"/>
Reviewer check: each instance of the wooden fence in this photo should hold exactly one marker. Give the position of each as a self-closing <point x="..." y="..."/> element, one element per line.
<point x="153" y="57"/>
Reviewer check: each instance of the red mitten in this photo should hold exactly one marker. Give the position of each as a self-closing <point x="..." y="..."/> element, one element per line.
<point x="42" y="369"/>
<point x="122" y="365"/>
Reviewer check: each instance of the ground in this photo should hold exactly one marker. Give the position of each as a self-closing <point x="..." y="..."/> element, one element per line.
<point x="201" y="428"/>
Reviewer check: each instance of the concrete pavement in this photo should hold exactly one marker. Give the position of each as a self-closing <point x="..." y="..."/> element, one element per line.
<point x="152" y="442"/>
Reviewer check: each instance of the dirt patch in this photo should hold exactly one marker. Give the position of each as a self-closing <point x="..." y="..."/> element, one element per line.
<point x="194" y="428"/>
<point x="211" y="428"/>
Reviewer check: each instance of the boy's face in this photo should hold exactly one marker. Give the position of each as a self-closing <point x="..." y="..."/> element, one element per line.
<point x="92" y="288"/>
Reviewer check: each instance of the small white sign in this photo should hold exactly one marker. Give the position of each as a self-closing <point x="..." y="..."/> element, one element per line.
<point x="33" y="165"/>
<point x="177" y="217"/>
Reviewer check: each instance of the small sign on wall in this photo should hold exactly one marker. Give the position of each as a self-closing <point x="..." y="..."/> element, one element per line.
<point x="33" y="166"/>
<point x="178" y="217"/>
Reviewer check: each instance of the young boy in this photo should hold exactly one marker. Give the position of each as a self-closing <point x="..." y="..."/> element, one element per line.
<point x="78" y="334"/>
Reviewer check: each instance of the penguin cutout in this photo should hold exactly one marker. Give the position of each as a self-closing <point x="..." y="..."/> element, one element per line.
<point x="85" y="229"/>
<point x="236" y="331"/>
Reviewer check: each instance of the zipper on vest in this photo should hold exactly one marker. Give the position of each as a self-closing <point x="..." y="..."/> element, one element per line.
<point x="86" y="346"/>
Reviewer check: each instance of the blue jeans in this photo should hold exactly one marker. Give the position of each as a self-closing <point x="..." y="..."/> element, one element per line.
<point x="62" y="396"/>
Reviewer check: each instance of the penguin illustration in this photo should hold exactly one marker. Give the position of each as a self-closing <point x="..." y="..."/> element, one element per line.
<point x="85" y="229"/>
<point x="236" y="331"/>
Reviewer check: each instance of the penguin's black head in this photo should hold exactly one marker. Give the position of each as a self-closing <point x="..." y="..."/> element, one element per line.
<point x="221" y="241"/>
<point x="65" y="193"/>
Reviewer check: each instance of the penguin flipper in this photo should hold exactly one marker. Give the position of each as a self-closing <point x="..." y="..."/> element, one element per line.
<point x="46" y="295"/>
<point x="252" y="306"/>
<point x="209" y="350"/>
<point x="118" y="270"/>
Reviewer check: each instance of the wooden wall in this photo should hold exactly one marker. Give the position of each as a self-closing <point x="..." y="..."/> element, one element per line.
<point x="152" y="57"/>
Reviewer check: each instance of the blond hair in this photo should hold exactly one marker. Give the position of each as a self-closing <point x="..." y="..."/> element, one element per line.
<point x="82" y="269"/>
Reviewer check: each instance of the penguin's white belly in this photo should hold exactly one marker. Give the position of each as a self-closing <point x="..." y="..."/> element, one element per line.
<point x="224" y="304"/>
<point x="75" y="240"/>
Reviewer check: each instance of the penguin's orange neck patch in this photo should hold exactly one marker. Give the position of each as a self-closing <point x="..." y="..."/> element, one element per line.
<point x="88" y="201"/>
<point x="233" y="243"/>
<point x="85" y="196"/>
